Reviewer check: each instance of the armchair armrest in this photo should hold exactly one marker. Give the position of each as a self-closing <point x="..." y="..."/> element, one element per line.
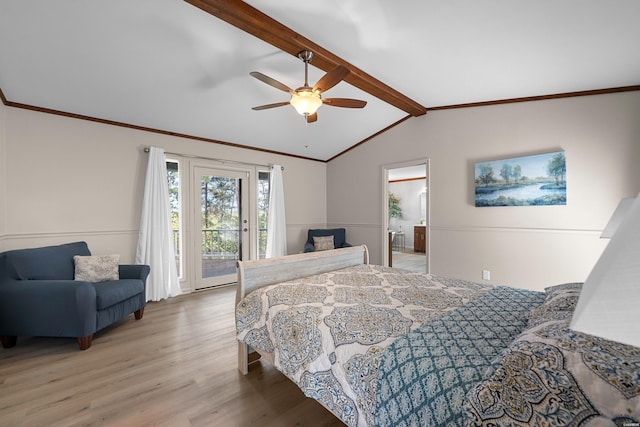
<point x="134" y="271"/>
<point x="47" y="308"/>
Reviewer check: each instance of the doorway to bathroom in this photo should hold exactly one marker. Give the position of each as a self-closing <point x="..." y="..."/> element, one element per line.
<point x="406" y="215"/>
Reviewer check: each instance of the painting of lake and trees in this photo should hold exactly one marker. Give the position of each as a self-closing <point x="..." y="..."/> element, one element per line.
<point x="522" y="181"/>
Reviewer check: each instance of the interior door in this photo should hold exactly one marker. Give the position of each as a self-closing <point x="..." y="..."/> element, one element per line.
<point x="221" y="236"/>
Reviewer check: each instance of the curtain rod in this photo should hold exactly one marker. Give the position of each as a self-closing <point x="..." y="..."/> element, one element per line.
<point x="191" y="156"/>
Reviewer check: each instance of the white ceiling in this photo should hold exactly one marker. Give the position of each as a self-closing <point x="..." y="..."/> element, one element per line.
<point x="167" y="65"/>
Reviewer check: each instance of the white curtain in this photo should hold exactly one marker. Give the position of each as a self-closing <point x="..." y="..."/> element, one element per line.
<point x="155" y="241"/>
<point x="276" y="221"/>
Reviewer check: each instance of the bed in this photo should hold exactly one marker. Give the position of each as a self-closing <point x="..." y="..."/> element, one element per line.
<point x="379" y="346"/>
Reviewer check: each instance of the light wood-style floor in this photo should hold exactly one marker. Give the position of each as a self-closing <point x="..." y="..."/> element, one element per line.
<point x="409" y="260"/>
<point x="174" y="367"/>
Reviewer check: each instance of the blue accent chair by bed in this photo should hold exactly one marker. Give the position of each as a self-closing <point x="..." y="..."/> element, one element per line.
<point x="339" y="238"/>
<point x="39" y="296"/>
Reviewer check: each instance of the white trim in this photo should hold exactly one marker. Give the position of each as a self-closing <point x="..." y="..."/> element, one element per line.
<point x="187" y="165"/>
<point x="354" y="225"/>
<point x="245" y="176"/>
<point x="74" y="234"/>
<point x="480" y="229"/>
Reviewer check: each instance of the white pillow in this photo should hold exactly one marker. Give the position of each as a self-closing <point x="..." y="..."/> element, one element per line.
<point x="323" y="243"/>
<point x="96" y="268"/>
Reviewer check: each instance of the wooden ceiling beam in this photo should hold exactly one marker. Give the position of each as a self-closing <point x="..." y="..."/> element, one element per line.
<point x="252" y="21"/>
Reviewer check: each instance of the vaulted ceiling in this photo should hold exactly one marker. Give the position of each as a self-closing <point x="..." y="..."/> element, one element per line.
<point x="182" y="67"/>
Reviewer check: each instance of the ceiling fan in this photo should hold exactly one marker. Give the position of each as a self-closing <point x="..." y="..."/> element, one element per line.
<point x="306" y="99"/>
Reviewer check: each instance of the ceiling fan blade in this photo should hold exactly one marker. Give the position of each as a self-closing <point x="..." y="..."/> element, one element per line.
<point x="267" y="106"/>
<point x="312" y="117"/>
<point x="271" y="82"/>
<point x="344" y="102"/>
<point x="332" y="78"/>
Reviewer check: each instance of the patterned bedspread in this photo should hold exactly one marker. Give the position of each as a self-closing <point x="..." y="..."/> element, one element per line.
<point x="384" y="347"/>
<point x="551" y="375"/>
<point x="425" y="376"/>
<point x="329" y="332"/>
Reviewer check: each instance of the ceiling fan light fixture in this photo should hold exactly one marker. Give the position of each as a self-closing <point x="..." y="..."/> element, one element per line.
<point x="307" y="99"/>
<point x="306" y="102"/>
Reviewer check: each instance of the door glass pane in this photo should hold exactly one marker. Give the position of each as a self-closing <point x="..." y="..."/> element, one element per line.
<point x="173" y="179"/>
<point x="220" y="225"/>
<point x="263" y="210"/>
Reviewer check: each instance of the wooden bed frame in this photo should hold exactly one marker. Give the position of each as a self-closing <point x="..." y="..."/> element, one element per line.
<point x="254" y="274"/>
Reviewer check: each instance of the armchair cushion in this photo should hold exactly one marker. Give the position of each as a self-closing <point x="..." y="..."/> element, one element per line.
<point x="112" y="292"/>
<point x="47" y="263"/>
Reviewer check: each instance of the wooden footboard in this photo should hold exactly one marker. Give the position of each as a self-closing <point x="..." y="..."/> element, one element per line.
<point x="254" y="274"/>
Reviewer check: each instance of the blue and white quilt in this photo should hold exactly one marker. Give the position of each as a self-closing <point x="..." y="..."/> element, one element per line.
<point x="328" y="332"/>
<point x="385" y="347"/>
<point x="425" y="376"/>
<point x="551" y="375"/>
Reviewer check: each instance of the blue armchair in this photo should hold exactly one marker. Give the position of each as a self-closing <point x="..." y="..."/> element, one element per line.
<point x="339" y="238"/>
<point x="39" y="296"/>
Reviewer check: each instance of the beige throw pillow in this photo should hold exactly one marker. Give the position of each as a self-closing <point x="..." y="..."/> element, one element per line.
<point x="96" y="268"/>
<point x="323" y="243"/>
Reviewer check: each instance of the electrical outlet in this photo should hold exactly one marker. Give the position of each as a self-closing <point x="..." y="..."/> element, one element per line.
<point x="486" y="275"/>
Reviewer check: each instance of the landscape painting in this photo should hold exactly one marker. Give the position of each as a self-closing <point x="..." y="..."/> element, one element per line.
<point x="537" y="180"/>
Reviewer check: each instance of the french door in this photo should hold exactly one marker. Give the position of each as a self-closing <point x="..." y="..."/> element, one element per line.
<point x="220" y="224"/>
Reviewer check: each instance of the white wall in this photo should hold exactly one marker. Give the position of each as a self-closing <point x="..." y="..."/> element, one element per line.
<point x="530" y="247"/>
<point x="68" y="179"/>
<point x="65" y="179"/>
